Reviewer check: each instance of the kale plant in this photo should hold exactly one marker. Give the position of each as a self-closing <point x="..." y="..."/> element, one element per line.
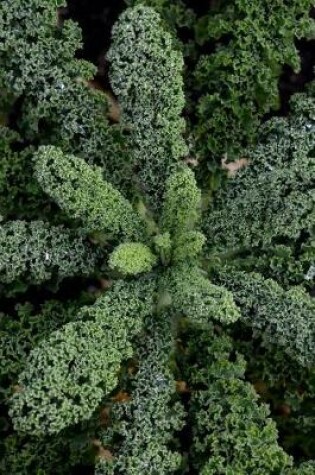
<point x="157" y="353"/>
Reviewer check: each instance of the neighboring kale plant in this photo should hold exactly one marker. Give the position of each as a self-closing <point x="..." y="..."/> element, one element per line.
<point x="235" y="52"/>
<point x="238" y="82"/>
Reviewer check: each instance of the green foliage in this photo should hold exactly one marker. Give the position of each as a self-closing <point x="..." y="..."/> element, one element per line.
<point x="84" y="130"/>
<point x="40" y="73"/>
<point x="175" y="13"/>
<point x="235" y="52"/>
<point x="232" y="431"/>
<point x="238" y="82"/>
<point x="264" y="216"/>
<point x="188" y="246"/>
<point x="196" y="297"/>
<point x="181" y="214"/>
<point x="79" y="363"/>
<point x="284" y="168"/>
<point x="163" y="246"/>
<point x="81" y="191"/>
<point x="119" y="368"/>
<point x="62" y="455"/>
<point x="182" y="203"/>
<point x="34" y="41"/>
<point x="142" y="429"/>
<point x="35" y="251"/>
<point x="132" y="258"/>
<point x="69" y="372"/>
<point x="306" y="468"/>
<point x="145" y="74"/>
<point x="282" y="318"/>
<point x="65" y="377"/>
<point x="20" y="196"/>
<point x="20" y="331"/>
<point x="286" y="386"/>
<point x="23" y="331"/>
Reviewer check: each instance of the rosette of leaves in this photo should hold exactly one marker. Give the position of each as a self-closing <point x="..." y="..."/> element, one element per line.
<point x="80" y="362"/>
